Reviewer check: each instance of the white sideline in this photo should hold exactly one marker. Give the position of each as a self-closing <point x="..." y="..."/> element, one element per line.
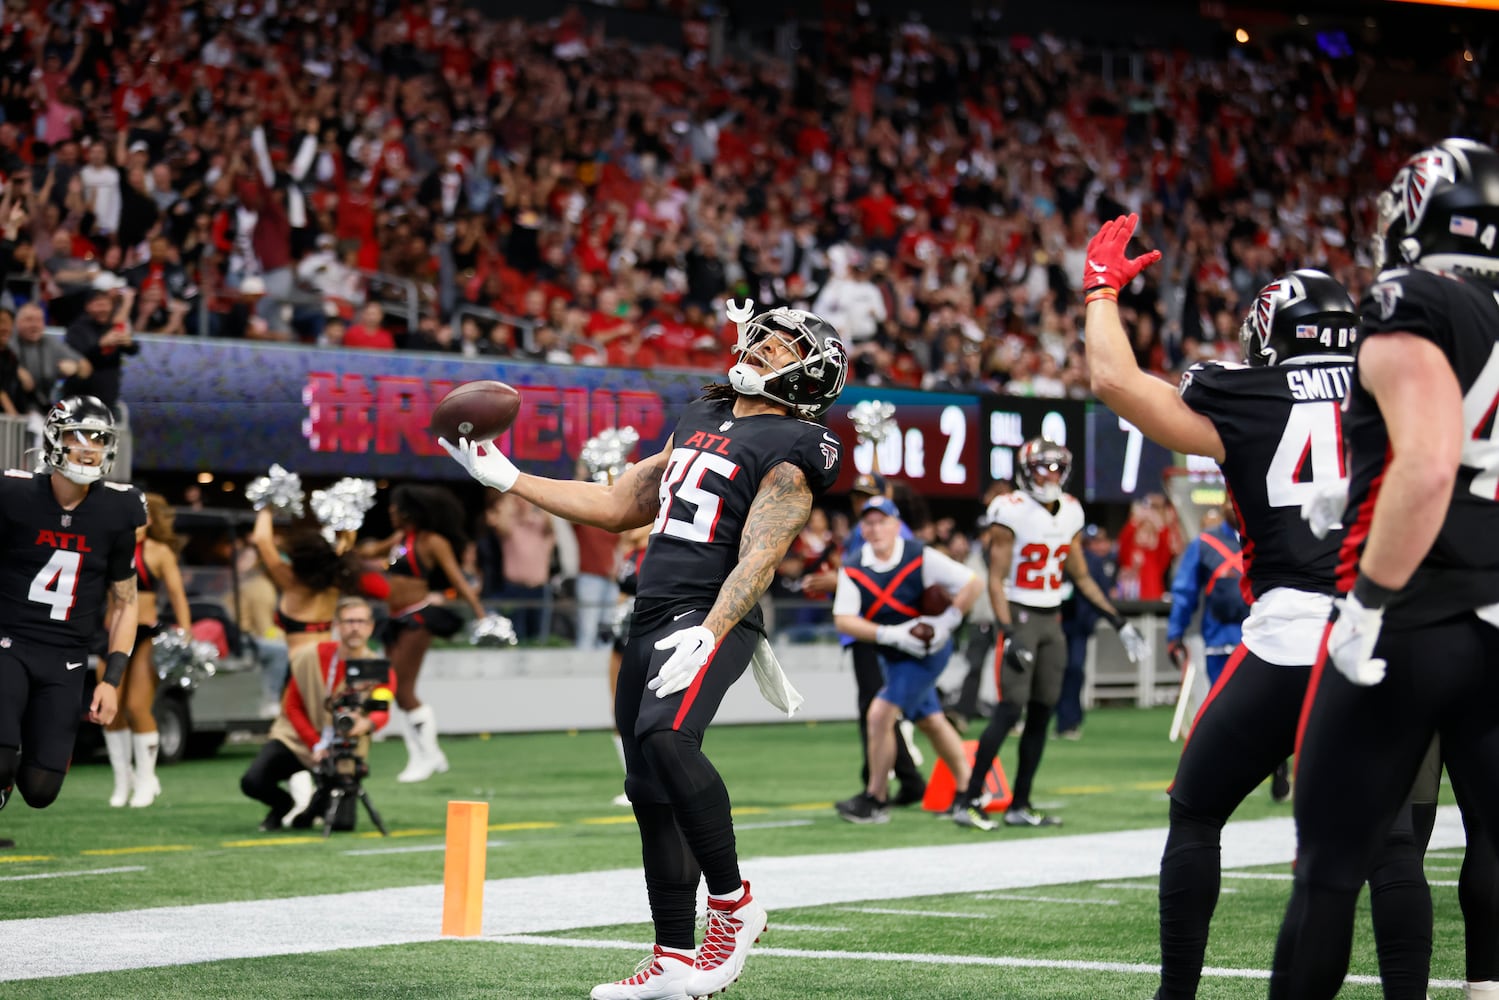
<point x="179" y="935"/>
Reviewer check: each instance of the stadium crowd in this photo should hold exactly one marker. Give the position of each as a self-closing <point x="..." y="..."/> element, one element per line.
<point x="416" y="176"/>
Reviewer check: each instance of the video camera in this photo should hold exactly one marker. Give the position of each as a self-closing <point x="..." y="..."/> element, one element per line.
<point x="341" y="772"/>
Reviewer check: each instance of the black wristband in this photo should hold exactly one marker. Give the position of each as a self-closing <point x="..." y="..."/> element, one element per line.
<point x="1370" y="594"/>
<point x="1005" y="628"/>
<point x="114" y="667"/>
<point x="1116" y="620"/>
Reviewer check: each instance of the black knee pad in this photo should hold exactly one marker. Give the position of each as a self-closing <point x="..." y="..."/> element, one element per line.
<point x="678" y="763"/>
<point x="1006" y="714"/>
<point x="1206" y="825"/>
<point x="38" y="787"/>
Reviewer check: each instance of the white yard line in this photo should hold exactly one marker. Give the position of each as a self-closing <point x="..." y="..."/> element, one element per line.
<point x="176" y="935"/>
<point x="77" y="874"/>
<point x="918" y="958"/>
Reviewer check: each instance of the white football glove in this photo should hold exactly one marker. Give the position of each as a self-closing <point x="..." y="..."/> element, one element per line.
<point x="691" y="648"/>
<point x="1323" y="510"/>
<point x="900" y="637"/>
<point x="1134" y="642"/>
<point x="483" y="461"/>
<point x="1350" y="644"/>
<point x="943" y="625"/>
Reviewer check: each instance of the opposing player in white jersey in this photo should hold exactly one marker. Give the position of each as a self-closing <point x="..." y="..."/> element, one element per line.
<point x="1035" y="547"/>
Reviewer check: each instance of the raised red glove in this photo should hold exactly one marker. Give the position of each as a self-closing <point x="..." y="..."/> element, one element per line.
<point x="1177" y="651"/>
<point x="1107" y="266"/>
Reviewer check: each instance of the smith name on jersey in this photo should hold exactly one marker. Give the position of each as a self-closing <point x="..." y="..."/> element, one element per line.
<point x="1461" y="317"/>
<point x="712" y="475"/>
<point x="1281" y="427"/>
<point x="59" y="563"/>
<point x="1042" y="541"/>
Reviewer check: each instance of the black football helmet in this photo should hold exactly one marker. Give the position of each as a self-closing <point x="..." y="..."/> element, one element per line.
<point x="1442" y="211"/>
<point x="1302" y="314"/>
<point x="68" y="421"/>
<point x="808" y="385"/>
<point x="1038" y="455"/>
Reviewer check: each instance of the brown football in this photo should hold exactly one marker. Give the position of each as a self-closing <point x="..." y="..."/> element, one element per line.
<point x="923" y="631"/>
<point x="478" y="411"/>
<point x="934" y="601"/>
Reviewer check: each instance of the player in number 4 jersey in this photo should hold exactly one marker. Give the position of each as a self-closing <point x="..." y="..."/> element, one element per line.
<point x="1273" y="427"/>
<point x="65" y="536"/>
<point x="1415" y="640"/>
<point x="1035" y="546"/>
<point x="725" y="498"/>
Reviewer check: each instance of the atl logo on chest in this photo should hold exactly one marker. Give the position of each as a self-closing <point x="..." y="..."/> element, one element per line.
<point x="62" y="540"/>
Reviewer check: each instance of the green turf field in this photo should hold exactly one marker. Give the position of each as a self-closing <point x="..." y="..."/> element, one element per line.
<point x="550" y="814"/>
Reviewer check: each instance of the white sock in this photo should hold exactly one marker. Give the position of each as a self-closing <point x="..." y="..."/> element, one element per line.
<point x="1486" y="987"/>
<point x="732" y="897"/>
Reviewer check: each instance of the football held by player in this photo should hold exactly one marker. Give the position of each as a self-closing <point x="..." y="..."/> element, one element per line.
<point x="68" y="538"/>
<point x="725" y="498"/>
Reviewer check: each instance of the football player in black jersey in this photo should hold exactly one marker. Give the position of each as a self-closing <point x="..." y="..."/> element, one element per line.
<point x="1415" y="639"/>
<point x="67" y="537"/>
<point x="1273" y="427"/>
<point x="724" y="498"/>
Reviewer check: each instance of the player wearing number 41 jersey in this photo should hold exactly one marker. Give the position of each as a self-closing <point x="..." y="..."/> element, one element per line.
<point x="1415" y="641"/>
<point x="1035" y="546"/>
<point x="1273" y="427"/>
<point x="65" y="537"/>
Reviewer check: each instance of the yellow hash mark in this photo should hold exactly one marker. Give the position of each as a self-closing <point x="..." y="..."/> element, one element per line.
<point x="272" y="842"/>
<point x="141" y="849"/>
<point x="1150" y="786"/>
<point x="500" y="827"/>
<point x="750" y="810"/>
<point x="18" y="858"/>
<point x="808" y="806"/>
<point x="1085" y="789"/>
<point x="606" y="820"/>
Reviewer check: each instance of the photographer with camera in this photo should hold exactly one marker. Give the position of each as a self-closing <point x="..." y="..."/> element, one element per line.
<point x="322" y="717"/>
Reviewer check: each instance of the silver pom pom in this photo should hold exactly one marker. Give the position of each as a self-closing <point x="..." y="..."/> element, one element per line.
<point x="182" y="661"/>
<point x="873" y="420"/>
<point x="607" y="454"/>
<point x="279" y="490"/>
<point x="492" y="630"/>
<point x="342" y="506"/>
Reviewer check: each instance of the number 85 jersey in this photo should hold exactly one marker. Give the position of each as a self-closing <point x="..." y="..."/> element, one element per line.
<point x="1042" y="541"/>
<point x="56" y="565"/>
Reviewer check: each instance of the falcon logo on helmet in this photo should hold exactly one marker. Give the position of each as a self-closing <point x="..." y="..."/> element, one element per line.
<point x="1301" y="315"/>
<point x="811" y="381"/>
<point x="1441" y="212"/>
<point x="1042" y="468"/>
<point x="79" y="422"/>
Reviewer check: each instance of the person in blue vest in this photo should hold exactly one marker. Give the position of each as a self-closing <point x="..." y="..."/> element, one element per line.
<point x="882" y="589"/>
<point x="868" y="676"/>
<point x="1211" y="569"/>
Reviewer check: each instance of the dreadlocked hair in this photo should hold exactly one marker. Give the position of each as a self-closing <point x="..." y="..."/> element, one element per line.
<point x="719" y="390"/>
<point x="432" y="508"/>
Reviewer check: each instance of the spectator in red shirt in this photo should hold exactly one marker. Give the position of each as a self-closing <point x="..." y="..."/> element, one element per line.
<point x="368" y="333"/>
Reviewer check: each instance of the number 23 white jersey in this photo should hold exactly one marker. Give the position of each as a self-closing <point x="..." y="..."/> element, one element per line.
<point x="1042" y="540"/>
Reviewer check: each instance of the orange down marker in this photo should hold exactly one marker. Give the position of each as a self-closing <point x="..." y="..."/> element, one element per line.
<point x="463" y="869"/>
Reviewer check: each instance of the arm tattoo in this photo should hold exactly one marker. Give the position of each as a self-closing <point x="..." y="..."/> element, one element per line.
<point x="648" y="475"/>
<point x="123" y="591"/>
<point x="779" y="512"/>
